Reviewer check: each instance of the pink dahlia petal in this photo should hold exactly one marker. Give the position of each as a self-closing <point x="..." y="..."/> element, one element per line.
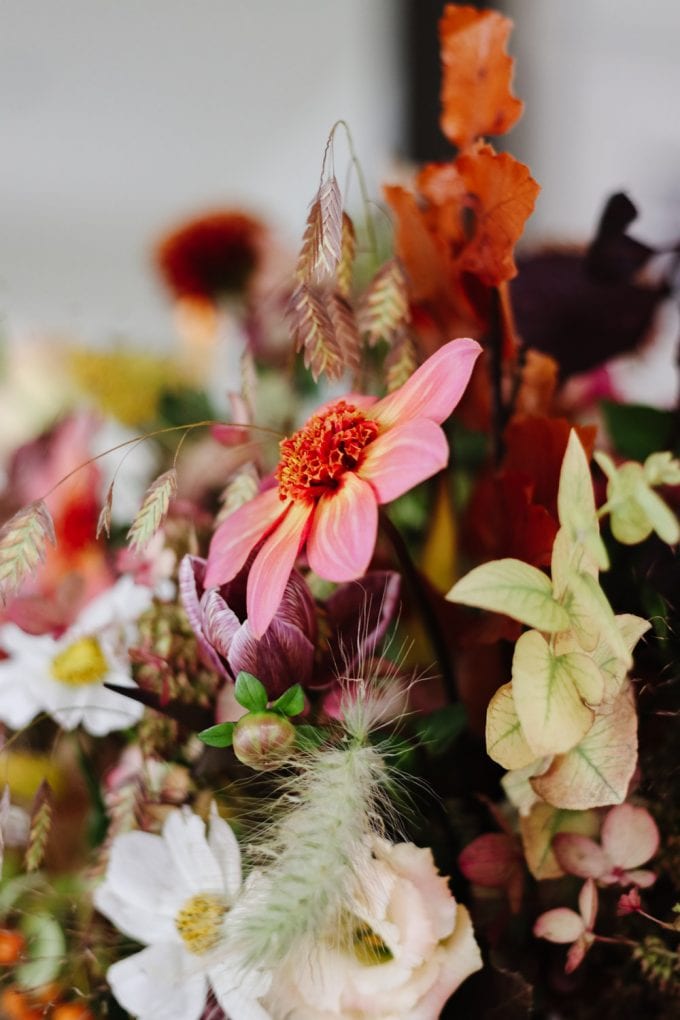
<point x="434" y="389"/>
<point x="344" y="529"/>
<point x="236" y="536"/>
<point x="630" y="836"/>
<point x="580" y="856"/>
<point x="273" y="565"/>
<point x="403" y="457"/>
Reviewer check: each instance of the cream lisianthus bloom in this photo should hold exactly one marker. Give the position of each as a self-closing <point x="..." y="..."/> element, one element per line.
<point x="173" y="893"/>
<point x="409" y="945"/>
<point x="65" y="676"/>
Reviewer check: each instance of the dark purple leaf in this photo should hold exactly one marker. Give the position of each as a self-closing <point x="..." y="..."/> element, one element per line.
<point x="281" y="657"/>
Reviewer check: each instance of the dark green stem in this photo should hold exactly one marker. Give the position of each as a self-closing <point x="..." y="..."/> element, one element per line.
<point x="423" y="601"/>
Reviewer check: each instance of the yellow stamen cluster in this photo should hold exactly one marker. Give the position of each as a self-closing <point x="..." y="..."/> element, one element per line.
<point x="199" y="922"/>
<point x="81" y="663"/>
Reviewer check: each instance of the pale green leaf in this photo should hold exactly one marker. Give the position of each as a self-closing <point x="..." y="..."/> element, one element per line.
<point x="250" y="692"/>
<point x="515" y="588"/>
<point x="549" y="707"/>
<point x="505" y="741"/>
<point x="594" y="615"/>
<point x="576" y="501"/>
<point x="517" y="786"/>
<point x="597" y="771"/>
<point x="539" y="829"/>
<point x="662" y="469"/>
<point x="46" y="951"/>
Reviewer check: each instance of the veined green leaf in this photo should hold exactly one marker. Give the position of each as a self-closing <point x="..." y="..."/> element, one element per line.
<point x="515" y="588"/>
<point x="505" y="741"/>
<point x="549" y="706"/>
<point x="597" y="771"/>
<point x="250" y="692"/>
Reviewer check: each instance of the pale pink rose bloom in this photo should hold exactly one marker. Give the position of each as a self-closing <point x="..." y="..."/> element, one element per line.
<point x="429" y="949"/>
<point x="351" y="456"/>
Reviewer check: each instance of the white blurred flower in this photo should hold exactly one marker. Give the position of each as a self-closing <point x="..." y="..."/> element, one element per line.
<point x="65" y="676"/>
<point x="172" y="893"/>
<point x="409" y="947"/>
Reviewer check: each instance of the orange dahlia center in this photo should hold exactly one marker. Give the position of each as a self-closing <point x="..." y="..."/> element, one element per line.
<point x="314" y="458"/>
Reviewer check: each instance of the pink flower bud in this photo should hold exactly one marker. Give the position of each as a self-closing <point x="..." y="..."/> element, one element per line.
<point x="263" y="740"/>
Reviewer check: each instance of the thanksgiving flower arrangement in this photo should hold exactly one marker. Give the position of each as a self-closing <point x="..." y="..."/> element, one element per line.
<point x="339" y="651"/>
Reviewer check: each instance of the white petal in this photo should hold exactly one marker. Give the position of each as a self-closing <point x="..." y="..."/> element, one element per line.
<point x="139" y="922"/>
<point x="184" y="835"/>
<point x="161" y="983"/>
<point x="141" y="871"/>
<point x="237" y="993"/>
<point x="225" y="849"/>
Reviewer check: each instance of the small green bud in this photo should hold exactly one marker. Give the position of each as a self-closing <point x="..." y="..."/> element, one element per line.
<point x="263" y="740"/>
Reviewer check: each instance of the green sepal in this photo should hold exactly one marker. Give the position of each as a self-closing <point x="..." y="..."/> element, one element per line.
<point x="291" y="702"/>
<point x="221" y="735"/>
<point x="250" y="692"/>
<point x="439" y="730"/>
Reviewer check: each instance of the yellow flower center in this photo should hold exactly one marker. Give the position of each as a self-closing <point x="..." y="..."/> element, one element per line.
<point x="369" y="948"/>
<point x="199" y="922"/>
<point x="316" y="456"/>
<point x="83" y="662"/>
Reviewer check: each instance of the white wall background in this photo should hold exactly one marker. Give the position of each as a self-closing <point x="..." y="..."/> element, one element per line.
<point x="118" y="117"/>
<point x="601" y="82"/>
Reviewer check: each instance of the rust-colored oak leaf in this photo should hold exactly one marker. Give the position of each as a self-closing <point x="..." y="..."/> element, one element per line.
<point x="477" y="71"/>
<point x="480" y="204"/>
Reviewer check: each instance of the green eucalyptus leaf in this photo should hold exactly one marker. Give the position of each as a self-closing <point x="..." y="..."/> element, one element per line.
<point x="221" y="735"/>
<point x="250" y="692"/>
<point x="46" y="951"/>
<point x="291" y="702"/>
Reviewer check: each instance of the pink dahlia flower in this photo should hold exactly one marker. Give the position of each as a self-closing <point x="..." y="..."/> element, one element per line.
<point x="352" y="455"/>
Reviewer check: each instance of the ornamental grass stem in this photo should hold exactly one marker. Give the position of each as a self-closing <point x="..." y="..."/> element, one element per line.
<point x="424" y="602"/>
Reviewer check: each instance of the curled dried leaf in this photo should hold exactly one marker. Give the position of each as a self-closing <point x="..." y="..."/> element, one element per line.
<point x="384" y="307"/>
<point x="104" y="520"/>
<point x="41" y="824"/>
<point x="153" y="510"/>
<point x="314" y="333"/>
<point x="322" y="242"/>
<point x="23" y="540"/>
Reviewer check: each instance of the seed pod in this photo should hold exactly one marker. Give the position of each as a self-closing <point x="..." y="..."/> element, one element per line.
<point x="263" y="740"/>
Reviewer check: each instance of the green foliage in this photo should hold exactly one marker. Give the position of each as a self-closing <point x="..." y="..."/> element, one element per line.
<point x="638" y="431"/>
<point x="250" y="692"/>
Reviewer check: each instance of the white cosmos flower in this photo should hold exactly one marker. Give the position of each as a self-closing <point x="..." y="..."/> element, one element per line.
<point x="172" y="893"/>
<point x="65" y="676"/>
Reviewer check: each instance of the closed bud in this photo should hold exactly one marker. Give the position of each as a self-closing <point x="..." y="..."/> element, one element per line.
<point x="263" y="740"/>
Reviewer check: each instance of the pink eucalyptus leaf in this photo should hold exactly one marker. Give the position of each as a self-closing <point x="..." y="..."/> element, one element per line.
<point x="559" y="925"/>
<point x="490" y="860"/>
<point x="588" y="904"/>
<point x="578" y="855"/>
<point x="629" y="836"/>
<point x="640" y="877"/>
<point x="576" y="953"/>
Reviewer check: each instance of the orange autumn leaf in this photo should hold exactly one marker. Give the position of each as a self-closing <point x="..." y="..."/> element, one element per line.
<point x="476" y="96"/>
<point x="479" y="204"/>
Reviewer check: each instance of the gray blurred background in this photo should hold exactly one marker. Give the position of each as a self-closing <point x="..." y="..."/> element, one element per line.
<point x="120" y="118"/>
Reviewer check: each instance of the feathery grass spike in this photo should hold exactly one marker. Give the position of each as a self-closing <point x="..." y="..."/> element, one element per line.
<point x="153" y="510"/>
<point x="23" y="540"/>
